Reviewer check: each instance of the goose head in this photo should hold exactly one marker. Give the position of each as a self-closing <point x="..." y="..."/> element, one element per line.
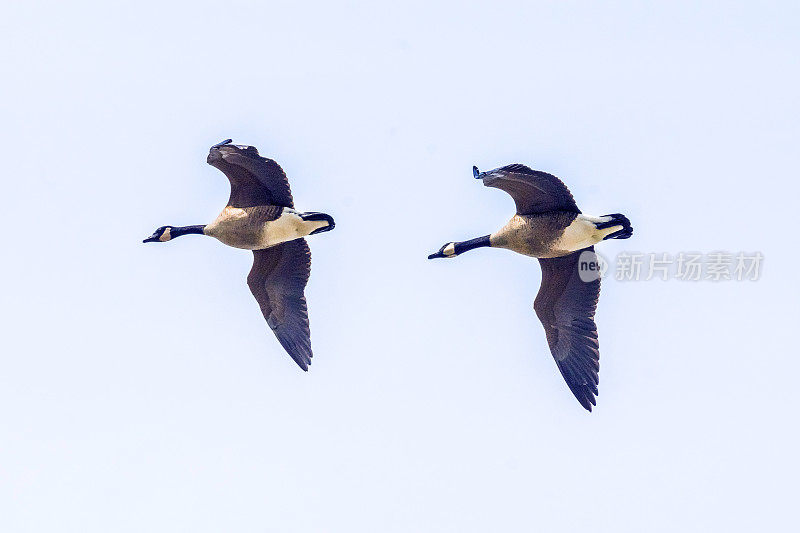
<point x="162" y="234"/>
<point x="448" y="250"/>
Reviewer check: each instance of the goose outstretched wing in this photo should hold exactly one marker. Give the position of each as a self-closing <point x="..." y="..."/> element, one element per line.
<point x="278" y="280"/>
<point x="255" y="180"/>
<point x="532" y="190"/>
<point x="566" y="305"/>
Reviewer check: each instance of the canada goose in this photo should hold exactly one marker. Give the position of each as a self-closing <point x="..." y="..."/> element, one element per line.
<point x="549" y="226"/>
<point x="260" y="216"/>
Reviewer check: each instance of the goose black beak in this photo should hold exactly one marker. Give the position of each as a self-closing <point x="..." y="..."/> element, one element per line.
<point x="476" y="173"/>
<point x="437" y="255"/>
<point x="151" y="238"/>
<point x="223" y="143"/>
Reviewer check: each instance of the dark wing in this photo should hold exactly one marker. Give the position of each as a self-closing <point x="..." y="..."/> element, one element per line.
<point x="277" y="280"/>
<point x="255" y="180"/>
<point x="566" y="305"/>
<point x="533" y="191"/>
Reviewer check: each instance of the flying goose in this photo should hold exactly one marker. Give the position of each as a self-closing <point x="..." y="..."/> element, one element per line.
<point x="549" y="226"/>
<point x="260" y="216"/>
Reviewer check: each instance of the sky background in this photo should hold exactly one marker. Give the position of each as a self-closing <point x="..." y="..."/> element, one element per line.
<point x="141" y="390"/>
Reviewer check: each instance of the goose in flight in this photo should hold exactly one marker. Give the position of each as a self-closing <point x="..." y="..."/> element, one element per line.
<point x="260" y="216"/>
<point x="549" y="226"/>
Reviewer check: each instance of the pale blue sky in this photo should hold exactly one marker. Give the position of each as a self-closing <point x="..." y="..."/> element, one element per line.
<point x="141" y="390"/>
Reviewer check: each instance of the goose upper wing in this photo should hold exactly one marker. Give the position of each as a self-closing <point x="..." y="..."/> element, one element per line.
<point x="255" y="180"/>
<point x="566" y="305"/>
<point x="277" y="280"/>
<point x="533" y="191"/>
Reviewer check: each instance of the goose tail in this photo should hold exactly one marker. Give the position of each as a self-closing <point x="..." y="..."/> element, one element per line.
<point x="617" y="219"/>
<point x="316" y="217"/>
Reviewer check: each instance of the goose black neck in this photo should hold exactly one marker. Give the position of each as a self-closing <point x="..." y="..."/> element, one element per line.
<point x="478" y="242"/>
<point x="186" y="230"/>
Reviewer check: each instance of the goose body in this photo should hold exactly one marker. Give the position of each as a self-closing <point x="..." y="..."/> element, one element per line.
<point x="260" y="227"/>
<point x="551" y="234"/>
<point x="549" y="226"/>
<point x="260" y="216"/>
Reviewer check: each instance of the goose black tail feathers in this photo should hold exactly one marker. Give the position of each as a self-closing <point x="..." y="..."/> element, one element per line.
<point x="319" y="216"/>
<point x="618" y="219"/>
